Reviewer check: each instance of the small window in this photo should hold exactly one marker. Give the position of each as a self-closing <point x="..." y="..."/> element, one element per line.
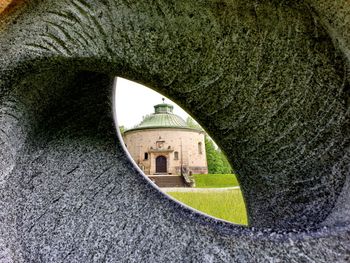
<point x="176" y="155"/>
<point x="146" y="156"/>
<point x="200" y="150"/>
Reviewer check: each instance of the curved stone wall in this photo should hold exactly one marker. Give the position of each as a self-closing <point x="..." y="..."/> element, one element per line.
<point x="268" y="80"/>
<point x="183" y="141"/>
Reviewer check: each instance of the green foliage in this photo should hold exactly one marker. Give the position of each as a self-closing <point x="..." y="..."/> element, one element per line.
<point x="226" y="167"/>
<point x="213" y="158"/>
<point x="217" y="162"/>
<point x="224" y="204"/>
<point x="122" y="129"/>
<point x="215" y="180"/>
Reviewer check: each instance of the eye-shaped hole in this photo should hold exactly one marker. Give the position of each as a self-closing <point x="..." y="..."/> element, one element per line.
<point x="176" y="153"/>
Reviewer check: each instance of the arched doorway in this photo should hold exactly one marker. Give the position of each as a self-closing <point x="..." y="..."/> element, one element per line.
<point x="161" y="164"/>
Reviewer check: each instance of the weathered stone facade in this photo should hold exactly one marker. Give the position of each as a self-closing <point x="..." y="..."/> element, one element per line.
<point x="164" y="144"/>
<point x="176" y="145"/>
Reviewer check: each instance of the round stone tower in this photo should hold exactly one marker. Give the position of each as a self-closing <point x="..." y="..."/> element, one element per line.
<point x="163" y="144"/>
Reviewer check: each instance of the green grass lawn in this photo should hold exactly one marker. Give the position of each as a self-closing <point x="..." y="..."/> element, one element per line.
<point x="228" y="204"/>
<point x="215" y="180"/>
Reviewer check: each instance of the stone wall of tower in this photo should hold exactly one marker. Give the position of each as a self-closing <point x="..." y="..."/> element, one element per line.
<point x="178" y="145"/>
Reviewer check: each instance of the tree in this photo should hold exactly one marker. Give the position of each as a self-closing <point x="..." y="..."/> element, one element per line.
<point x="122" y="129"/>
<point x="217" y="161"/>
<point x="213" y="158"/>
<point x="226" y="167"/>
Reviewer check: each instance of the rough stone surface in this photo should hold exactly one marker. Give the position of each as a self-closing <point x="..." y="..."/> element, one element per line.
<point x="267" y="79"/>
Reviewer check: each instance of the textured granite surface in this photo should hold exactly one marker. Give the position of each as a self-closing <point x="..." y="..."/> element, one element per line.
<point x="268" y="80"/>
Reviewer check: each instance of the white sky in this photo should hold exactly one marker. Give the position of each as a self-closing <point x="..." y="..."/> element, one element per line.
<point x="134" y="100"/>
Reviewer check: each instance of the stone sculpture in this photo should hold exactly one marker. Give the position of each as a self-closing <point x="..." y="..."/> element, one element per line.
<point x="268" y="80"/>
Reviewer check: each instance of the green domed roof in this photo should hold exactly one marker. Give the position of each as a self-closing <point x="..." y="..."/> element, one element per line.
<point x="163" y="117"/>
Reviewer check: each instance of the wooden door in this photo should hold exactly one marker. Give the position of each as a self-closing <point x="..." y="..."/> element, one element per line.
<point x="161" y="164"/>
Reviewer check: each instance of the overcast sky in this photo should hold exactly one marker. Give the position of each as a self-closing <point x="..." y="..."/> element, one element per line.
<point x="134" y="100"/>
